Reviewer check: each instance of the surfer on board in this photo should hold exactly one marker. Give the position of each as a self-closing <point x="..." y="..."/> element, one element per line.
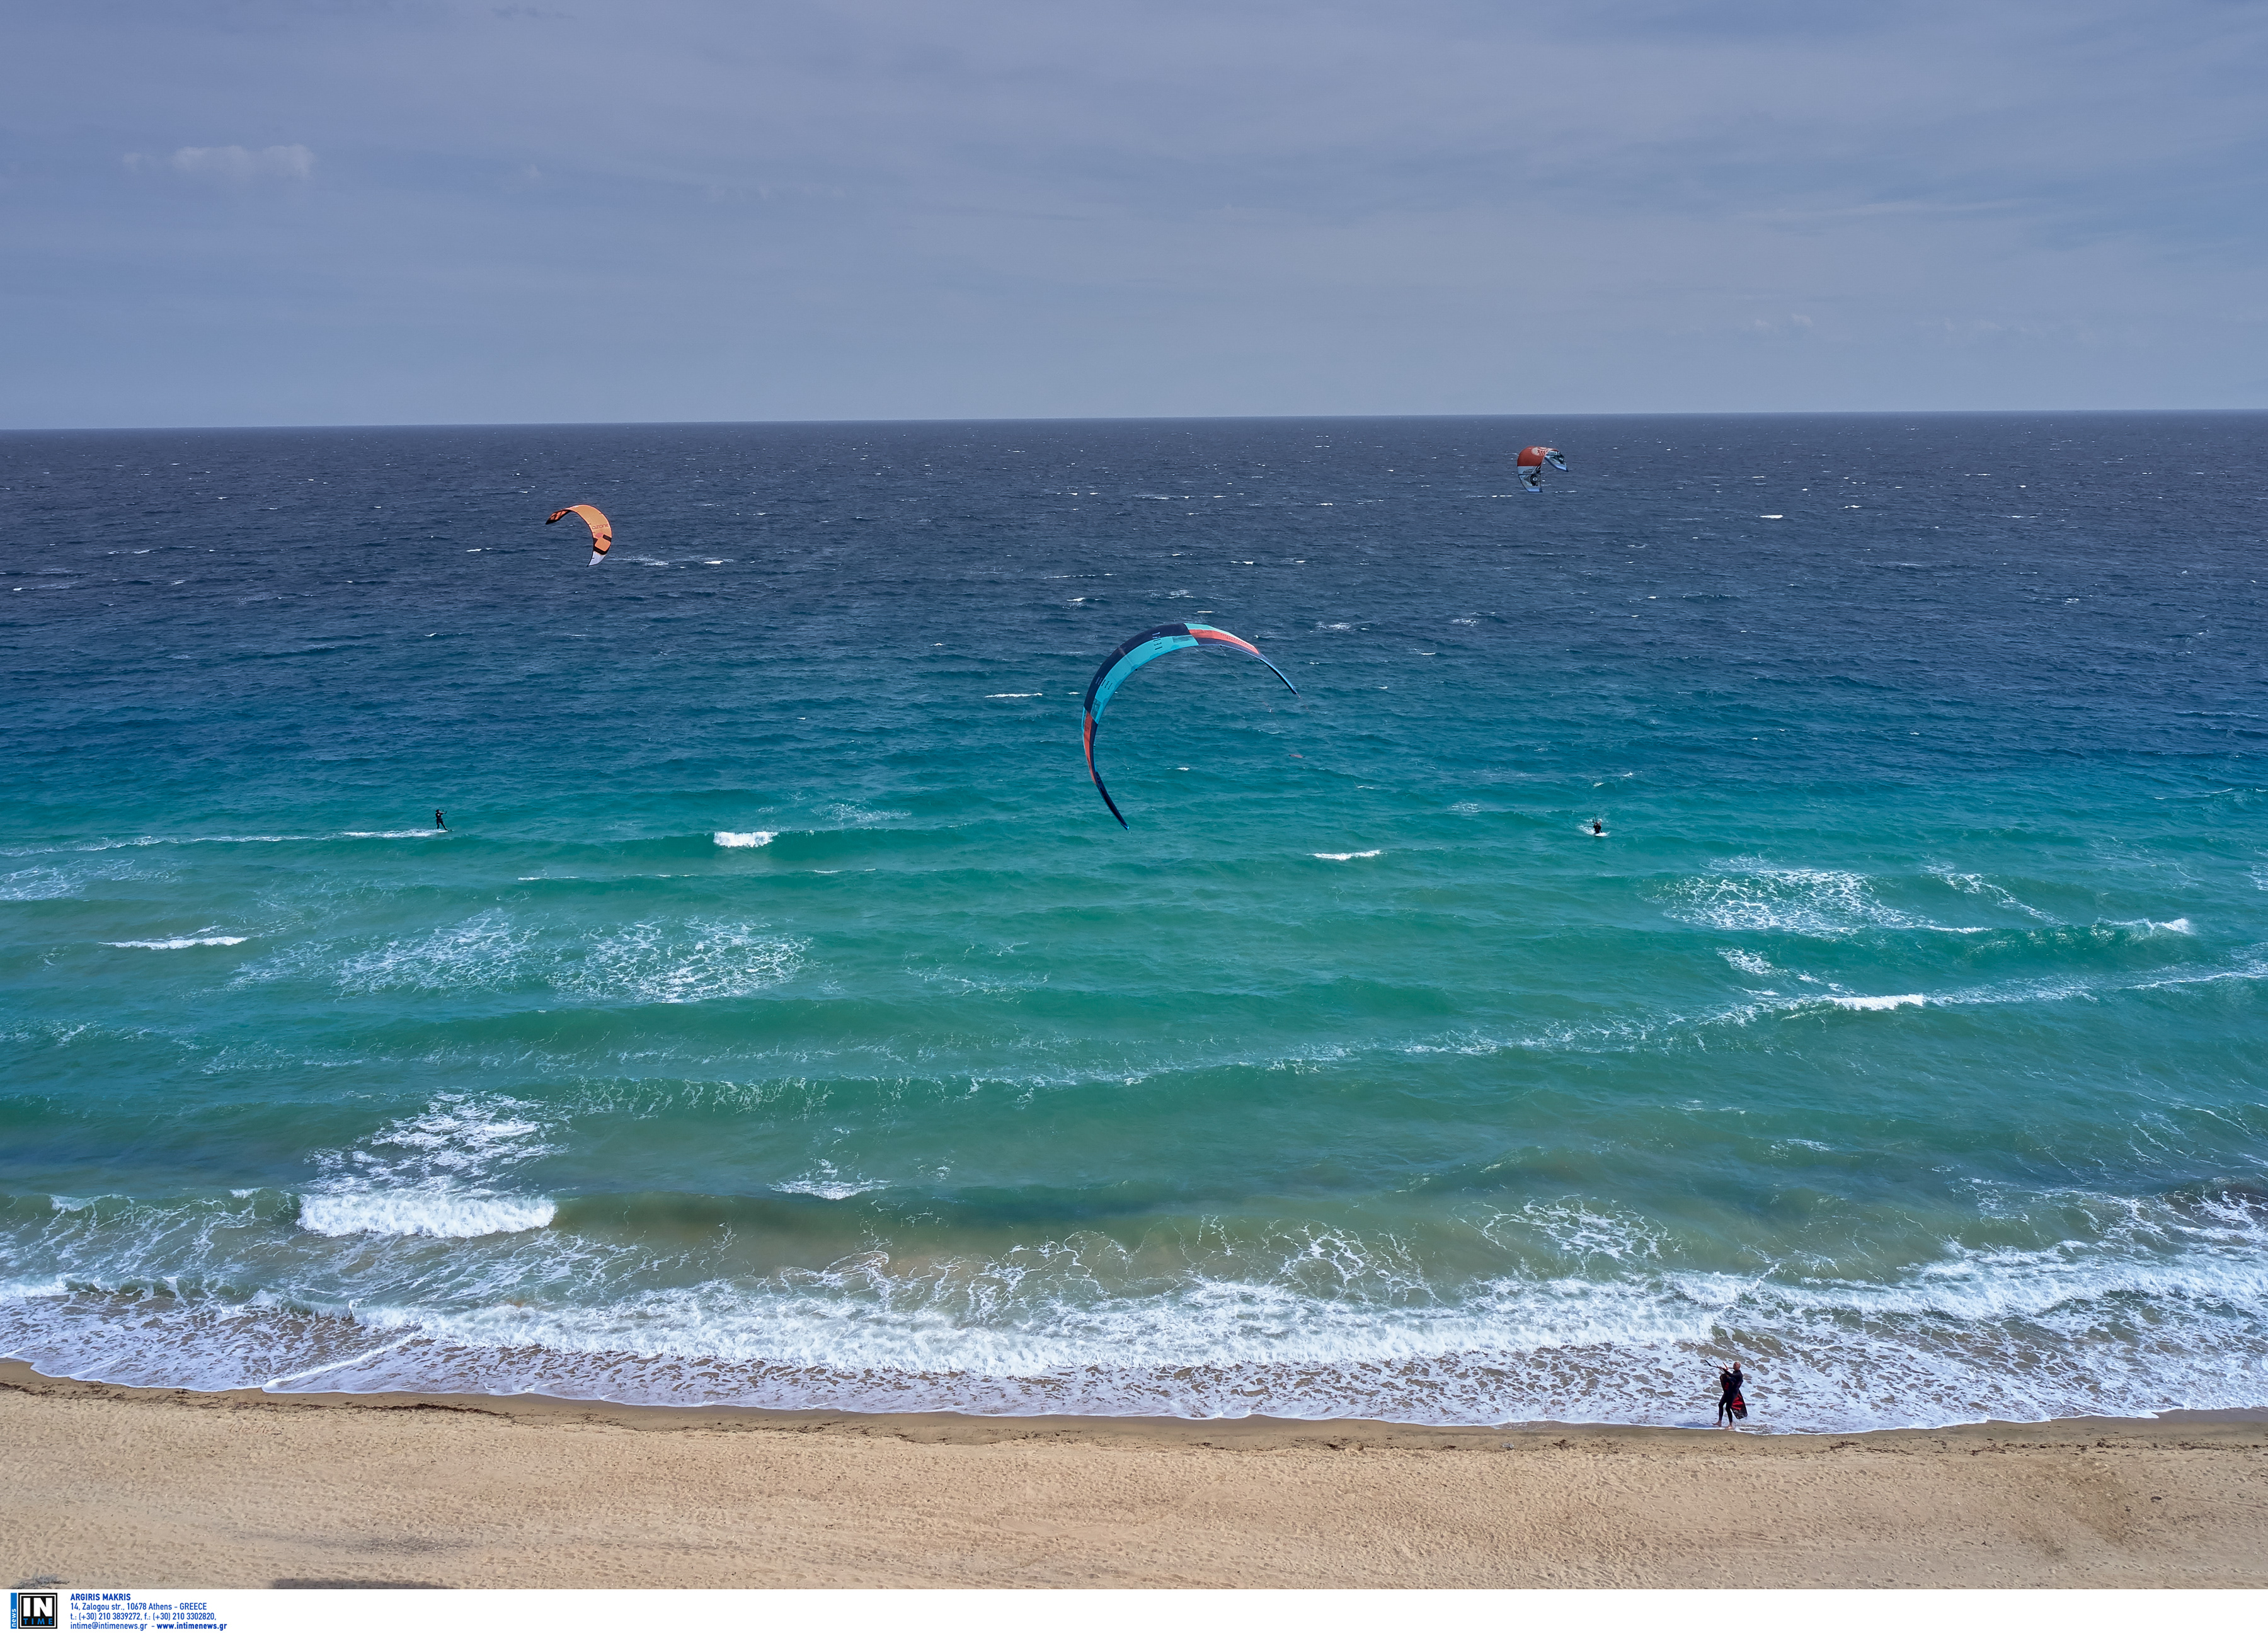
<point x="1598" y="828"/>
<point x="438" y="822"/>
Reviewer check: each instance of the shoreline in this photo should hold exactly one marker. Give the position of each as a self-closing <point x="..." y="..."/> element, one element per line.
<point x="149" y="1487"/>
<point x="957" y="1429"/>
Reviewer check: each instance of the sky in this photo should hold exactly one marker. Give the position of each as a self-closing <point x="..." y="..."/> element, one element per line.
<point x="218" y="212"/>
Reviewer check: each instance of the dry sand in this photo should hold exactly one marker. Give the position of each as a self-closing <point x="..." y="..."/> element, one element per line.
<point x="118" y="1487"/>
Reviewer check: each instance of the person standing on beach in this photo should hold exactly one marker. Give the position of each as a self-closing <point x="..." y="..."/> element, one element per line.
<point x="1730" y="1407"/>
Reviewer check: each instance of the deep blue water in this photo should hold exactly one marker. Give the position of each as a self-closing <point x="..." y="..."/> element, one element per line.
<point x="783" y="1019"/>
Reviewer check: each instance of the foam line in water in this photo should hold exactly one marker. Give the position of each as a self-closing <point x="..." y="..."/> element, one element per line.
<point x="2167" y="1307"/>
<point x="645" y="961"/>
<point x="1345" y="857"/>
<point x="752" y="837"/>
<point x="160" y="839"/>
<point x="1745" y="894"/>
<point x="183" y="941"/>
<point x="430" y="1213"/>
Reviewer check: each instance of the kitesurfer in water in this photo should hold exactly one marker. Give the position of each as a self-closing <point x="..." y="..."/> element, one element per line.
<point x="437" y="821"/>
<point x="1729" y="1404"/>
<point x="1598" y="828"/>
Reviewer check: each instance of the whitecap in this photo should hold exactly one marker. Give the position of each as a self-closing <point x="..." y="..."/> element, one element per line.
<point x="825" y="1181"/>
<point x="752" y="837"/>
<point x="485" y="951"/>
<point x="2157" y="927"/>
<point x="1749" y="896"/>
<point x="432" y="1173"/>
<point x="654" y="964"/>
<point x="183" y="941"/>
<point x="1887" y="1001"/>
<point x="1344" y="856"/>
<point x="435" y="1213"/>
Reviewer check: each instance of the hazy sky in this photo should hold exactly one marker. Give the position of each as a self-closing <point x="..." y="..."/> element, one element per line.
<point x="332" y="211"/>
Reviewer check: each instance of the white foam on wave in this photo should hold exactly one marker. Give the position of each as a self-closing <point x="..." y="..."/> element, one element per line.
<point x="1745" y="894"/>
<point x="752" y="837"/>
<point x="38" y="885"/>
<point x="2251" y="966"/>
<point x="433" y="1173"/>
<point x="2157" y="927"/>
<point x="825" y="1180"/>
<point x="679" y="965"/>
<point x="1741" y="959"/>
<point x="392" y="834"/>
<point x="643" y="961"/>
<point x="1345" y="857"/>
<point x="1595" y="1315"/>
<point x="1343" y="1327"/>
<point x="159" y="839"/>
<point x="1015" y="695"/>
<point x="486" y="951"/>
<point x="1977" y="885"/>
<point x="1882" y="1001"/>
<point x="48" y="884"/>
<point x="423" y="1214"/>
<point x="2253" y="970"/>
<point x="183" y="941"/>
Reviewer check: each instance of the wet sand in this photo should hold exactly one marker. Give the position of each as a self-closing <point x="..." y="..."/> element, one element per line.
<point x="119" y="1487"/>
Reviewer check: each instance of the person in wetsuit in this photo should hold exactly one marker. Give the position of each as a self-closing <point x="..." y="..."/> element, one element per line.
<point x="1597" y="827"/>
<point x="1730" y="1407"/>
<point x="437" y="823"/>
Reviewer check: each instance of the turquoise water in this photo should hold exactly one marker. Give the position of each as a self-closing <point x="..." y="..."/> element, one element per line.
<point x="783" y="1019"/>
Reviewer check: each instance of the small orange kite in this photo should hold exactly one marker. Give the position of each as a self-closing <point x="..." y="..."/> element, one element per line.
<point x="602" y="531"/>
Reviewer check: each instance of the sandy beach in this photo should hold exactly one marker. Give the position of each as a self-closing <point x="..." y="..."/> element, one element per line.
<point x="166" y="1488"/>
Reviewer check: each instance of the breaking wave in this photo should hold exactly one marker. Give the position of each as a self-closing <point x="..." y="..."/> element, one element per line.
<point x="1593" y="1319"/>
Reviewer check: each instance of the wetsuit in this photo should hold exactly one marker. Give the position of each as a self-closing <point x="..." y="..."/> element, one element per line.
<point x="1729" y="1404"/>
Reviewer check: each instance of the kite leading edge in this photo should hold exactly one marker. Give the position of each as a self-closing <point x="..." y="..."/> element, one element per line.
<point x="1132" y="655"/>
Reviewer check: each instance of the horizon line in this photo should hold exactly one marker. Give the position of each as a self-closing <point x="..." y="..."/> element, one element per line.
<point x="1160" y="419"/>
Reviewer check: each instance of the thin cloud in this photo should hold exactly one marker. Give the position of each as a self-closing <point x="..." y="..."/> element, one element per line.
<point x="291" y="163"/>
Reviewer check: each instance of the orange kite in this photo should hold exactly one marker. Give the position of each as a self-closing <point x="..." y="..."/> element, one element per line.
<point x="602" y="531"/>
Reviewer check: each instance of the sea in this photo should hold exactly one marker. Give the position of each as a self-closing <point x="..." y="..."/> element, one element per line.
<point x="781" y="1020"/>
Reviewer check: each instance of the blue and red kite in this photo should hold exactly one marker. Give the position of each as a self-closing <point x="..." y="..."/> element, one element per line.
<point x="1138" y="650"/>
